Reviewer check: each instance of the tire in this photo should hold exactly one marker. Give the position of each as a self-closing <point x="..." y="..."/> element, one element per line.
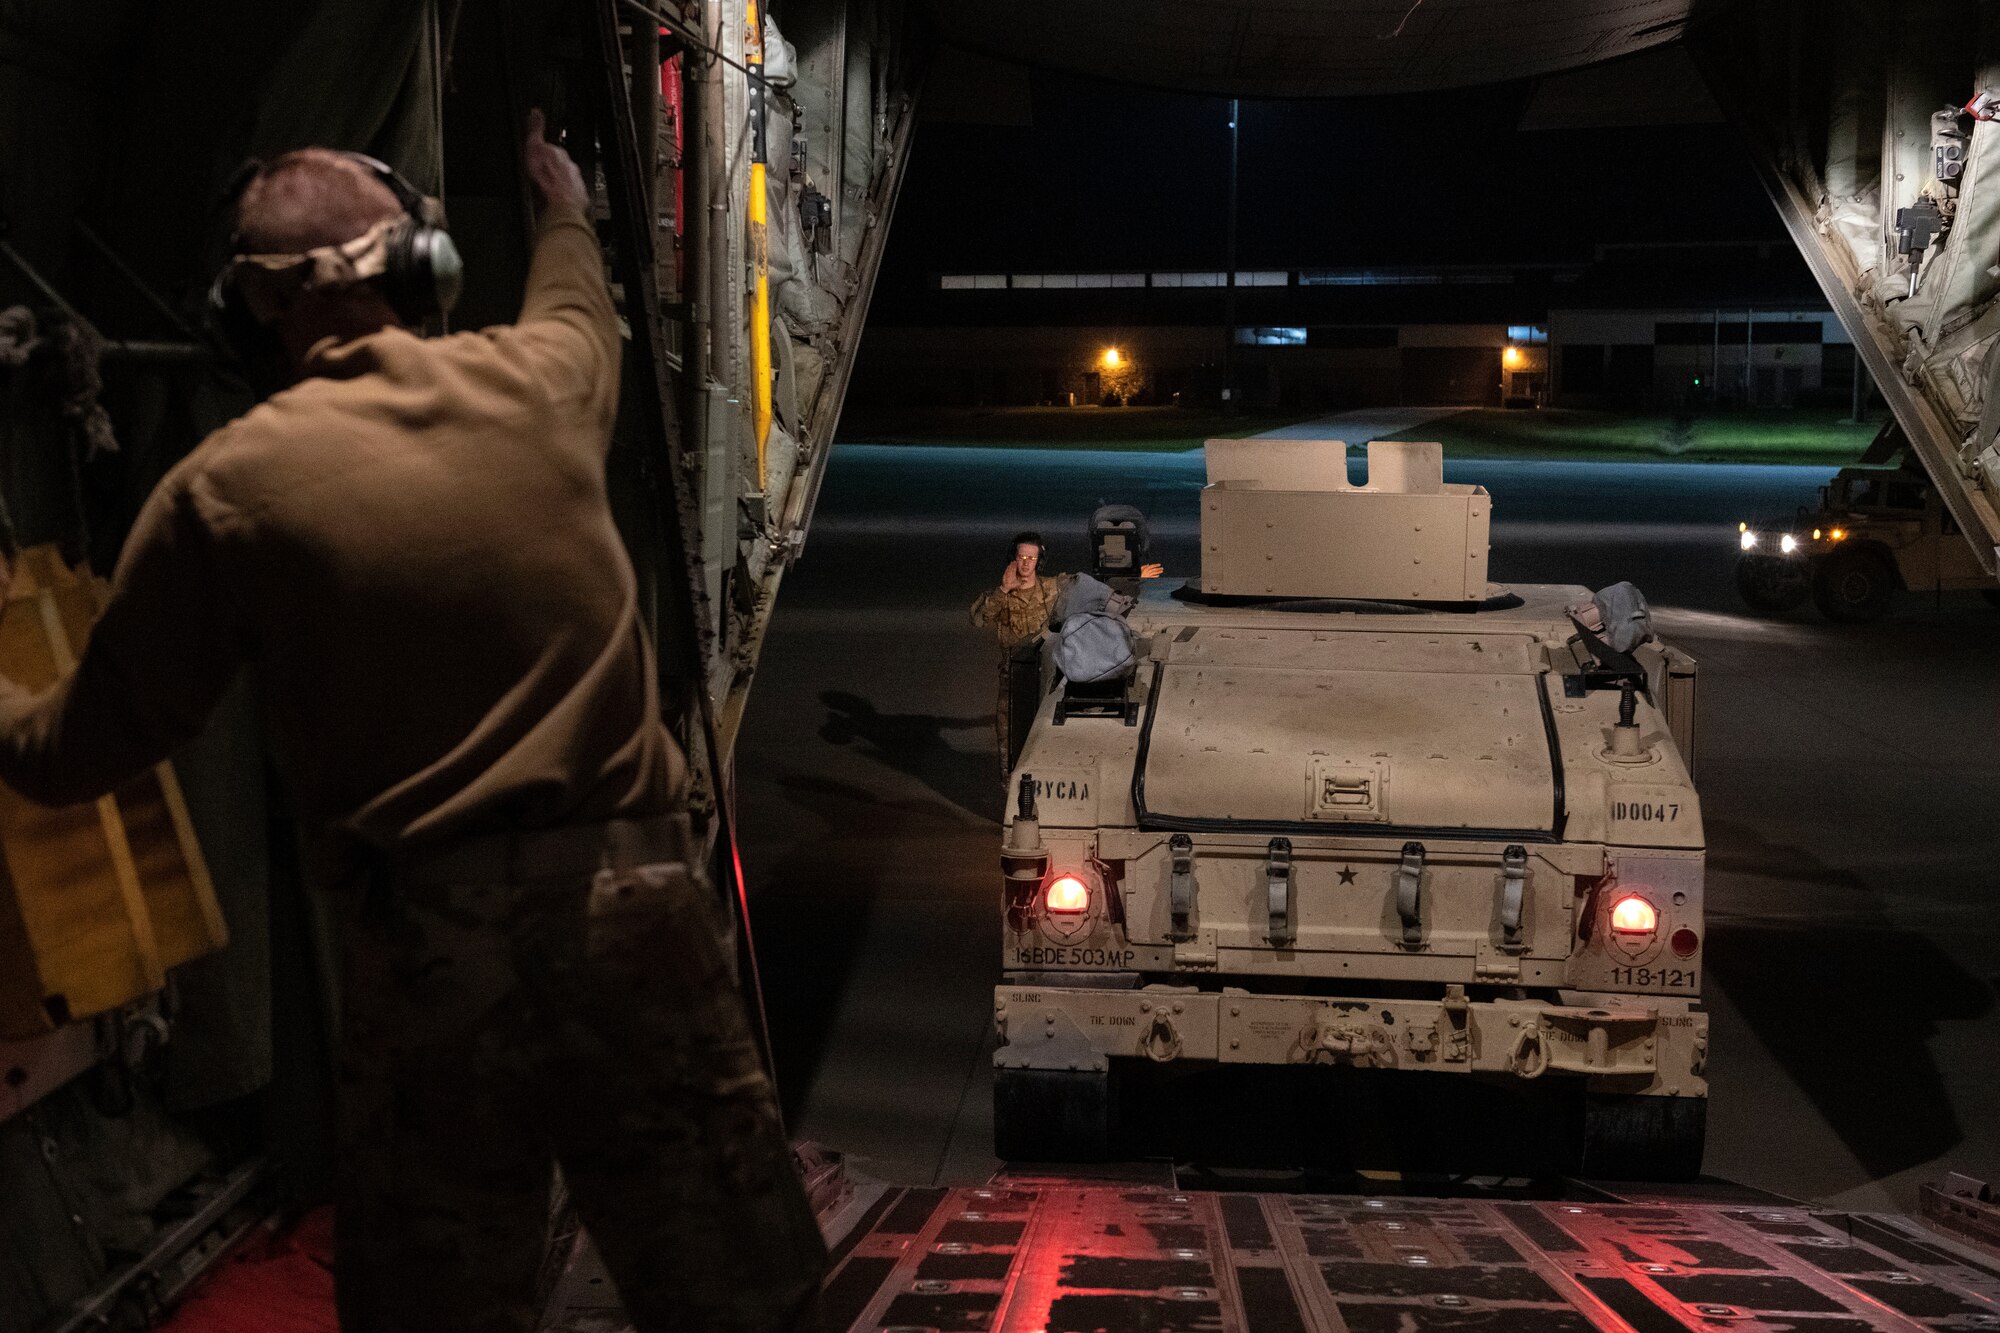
<point x="1642" y="1138"/>
<point x="1048" y="1115"/>
<point x="1769" y="585"/>
<point x="1854" y="587"/>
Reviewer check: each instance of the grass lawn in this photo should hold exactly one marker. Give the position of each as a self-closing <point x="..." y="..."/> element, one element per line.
<point x="1152" y="429"/>
<point x="1773" y="435"/>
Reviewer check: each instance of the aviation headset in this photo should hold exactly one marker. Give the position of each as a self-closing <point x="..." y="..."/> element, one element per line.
<point x="411" y="258"/>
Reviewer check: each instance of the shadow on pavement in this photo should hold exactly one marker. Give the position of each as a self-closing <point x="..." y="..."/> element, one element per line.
<point x="815" y="908"/>
<point x="914" y="743"/>
<point x="1846" y="1006"/>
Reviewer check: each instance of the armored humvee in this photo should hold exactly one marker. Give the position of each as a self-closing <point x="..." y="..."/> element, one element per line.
<point x="1876" y="531"/>
<point x="1358" y="806"/>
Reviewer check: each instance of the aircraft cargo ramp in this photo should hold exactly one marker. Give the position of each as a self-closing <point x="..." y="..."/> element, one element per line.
<point x="1059" y="1254"/>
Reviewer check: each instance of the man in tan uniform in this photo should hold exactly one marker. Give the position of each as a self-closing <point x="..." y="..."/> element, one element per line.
<point x="413" y="550"/>
<point x="1018" y="613"/>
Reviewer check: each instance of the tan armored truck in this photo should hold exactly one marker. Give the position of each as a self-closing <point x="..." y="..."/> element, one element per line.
<point x="1877" y="531"/>
<point x="1358" y="806"/>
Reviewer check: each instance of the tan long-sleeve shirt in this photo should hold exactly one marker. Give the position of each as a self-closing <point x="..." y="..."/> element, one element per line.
<point x="413" y="551"/>
<point x="1020" y="615"/>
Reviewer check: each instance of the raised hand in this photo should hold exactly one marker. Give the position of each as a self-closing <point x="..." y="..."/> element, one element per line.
<point x="551" y="171"/>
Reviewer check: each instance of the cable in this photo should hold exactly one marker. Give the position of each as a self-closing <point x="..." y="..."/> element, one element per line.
<point x="699" y="41"/>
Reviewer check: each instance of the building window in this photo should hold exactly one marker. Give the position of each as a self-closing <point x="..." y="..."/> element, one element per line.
<point x="1399" y="277"/>
<point x="1730" y="333"/>
<point x="1187" y="280"/>
<point x="1351" y="335"/>
<point x="1527" y="335"/>
<point x="964" y="282"/>
<point x="1271" y="337"/>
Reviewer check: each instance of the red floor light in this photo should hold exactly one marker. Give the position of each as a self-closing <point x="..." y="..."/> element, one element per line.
<point x="1067" y="894"/>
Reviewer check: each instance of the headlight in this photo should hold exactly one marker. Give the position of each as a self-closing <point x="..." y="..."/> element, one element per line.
<point x="1748" y="541"/>
<point x="1788" y="543"/>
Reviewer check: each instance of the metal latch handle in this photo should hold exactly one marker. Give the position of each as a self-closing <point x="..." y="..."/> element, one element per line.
<point x="1514" y="881"/>
<point x="1180" y="886"/>
<point x="1278" y="890"/>
<point x="1410" y="894"/>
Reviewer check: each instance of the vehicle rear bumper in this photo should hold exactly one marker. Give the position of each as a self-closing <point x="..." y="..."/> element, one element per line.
<point x="1631" y="1044"/>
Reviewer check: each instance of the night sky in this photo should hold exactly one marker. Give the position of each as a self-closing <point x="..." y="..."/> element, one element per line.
<point x="1112" y="177"/>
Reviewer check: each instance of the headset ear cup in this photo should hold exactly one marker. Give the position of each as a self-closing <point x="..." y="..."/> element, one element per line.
<point x="424" y="273"/>
<point x="403" y="277"/>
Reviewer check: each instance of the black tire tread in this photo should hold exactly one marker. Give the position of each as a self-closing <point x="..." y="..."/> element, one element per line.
<point x="1643" y="1138"/>
<point x="1047" y="1115"/>
<point x="1833" y="573"/>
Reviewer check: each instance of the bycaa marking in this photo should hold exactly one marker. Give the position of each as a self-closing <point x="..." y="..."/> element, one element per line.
<point x="1062" y="789"/>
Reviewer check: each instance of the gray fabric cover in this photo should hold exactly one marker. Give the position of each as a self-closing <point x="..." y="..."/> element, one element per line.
<point x="1628" y="621"/>
<point x="1094" y="642"/>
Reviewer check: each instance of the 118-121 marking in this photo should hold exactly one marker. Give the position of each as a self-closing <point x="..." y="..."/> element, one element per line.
<point x="1673" y="978"/>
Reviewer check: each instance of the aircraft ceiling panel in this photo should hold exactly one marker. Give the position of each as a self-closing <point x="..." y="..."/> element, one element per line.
<point x="1313" y="47"/>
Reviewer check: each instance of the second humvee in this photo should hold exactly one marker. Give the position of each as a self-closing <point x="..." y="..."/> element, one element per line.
<point x="1877" y="531"/>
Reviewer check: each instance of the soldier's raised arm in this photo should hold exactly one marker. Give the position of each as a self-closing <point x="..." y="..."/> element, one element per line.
<point x="567" y="320"/>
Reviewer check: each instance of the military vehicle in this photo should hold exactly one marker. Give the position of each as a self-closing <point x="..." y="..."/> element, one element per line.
<point x="1878" y="529"/>
<point x="1358" y="806"/>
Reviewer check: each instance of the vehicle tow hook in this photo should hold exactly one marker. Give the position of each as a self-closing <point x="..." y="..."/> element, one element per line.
<point x="1529" y="1059"/>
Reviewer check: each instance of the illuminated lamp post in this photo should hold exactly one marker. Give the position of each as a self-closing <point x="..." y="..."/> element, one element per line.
<point x="1119" y="375"/>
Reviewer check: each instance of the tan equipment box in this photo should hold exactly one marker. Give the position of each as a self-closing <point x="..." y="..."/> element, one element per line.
<point x="1280" y="518"/>
<point x="98" y="900"/>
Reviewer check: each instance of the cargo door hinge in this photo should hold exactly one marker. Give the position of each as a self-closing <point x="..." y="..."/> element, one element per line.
<point x="1180" y="887"/>
<point x="1410" y="894"/>
<point x="1278" y="891"/>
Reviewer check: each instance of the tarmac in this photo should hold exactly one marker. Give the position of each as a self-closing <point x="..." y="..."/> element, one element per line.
<point x="1849" y="777"/>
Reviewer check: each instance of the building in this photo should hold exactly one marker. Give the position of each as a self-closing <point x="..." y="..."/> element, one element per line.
<point x="1682" y="358"/>
<point x="1601" y="334"/>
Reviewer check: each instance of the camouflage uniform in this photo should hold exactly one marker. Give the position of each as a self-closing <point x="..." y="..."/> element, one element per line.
<point x="1018" y="620"/>
<point x="491" y="1027"/>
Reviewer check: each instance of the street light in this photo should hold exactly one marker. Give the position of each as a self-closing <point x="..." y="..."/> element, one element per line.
<point x="1112" y="358"/>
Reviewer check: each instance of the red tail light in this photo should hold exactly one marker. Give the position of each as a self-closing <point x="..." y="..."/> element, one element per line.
<point x="1633" y="915"/>
<point x="1068" y="895"/>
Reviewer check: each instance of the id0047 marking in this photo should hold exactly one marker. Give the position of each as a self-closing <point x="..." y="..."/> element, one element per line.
<point x="1650" y="807"/>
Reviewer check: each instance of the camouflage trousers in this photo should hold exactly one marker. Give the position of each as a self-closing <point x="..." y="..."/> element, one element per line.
<point x="1014" y="707"/>
<point x="491" y="1030"/>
